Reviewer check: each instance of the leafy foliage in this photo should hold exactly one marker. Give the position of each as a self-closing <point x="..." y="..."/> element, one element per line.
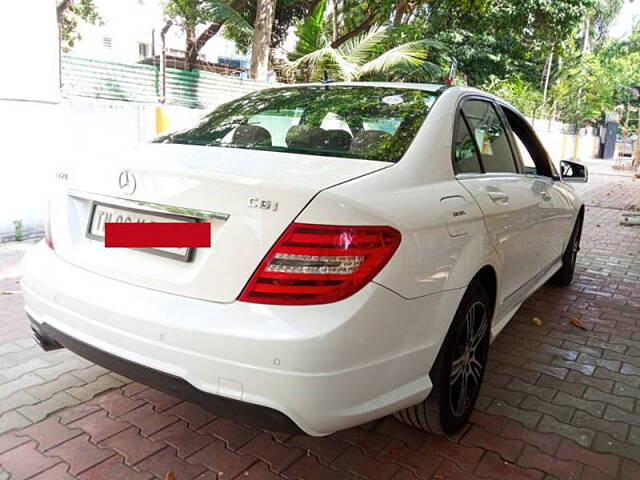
<point x="70" y="13"/>
<point x="287" y="13"/>
<point x="595" y="83"/>
<point x="371" y="54"/>
<point x="191" y="13"/>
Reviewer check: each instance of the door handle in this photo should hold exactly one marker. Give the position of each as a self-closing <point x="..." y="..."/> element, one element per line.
<point x="498" y="197"/>
<point x="545" y="196"/>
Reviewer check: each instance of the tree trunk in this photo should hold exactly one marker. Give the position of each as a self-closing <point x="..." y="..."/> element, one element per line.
<point x="363" y="27"/>
<point x="334" y="20"/>
<point x="60" y="9"/>
<point x="190" y="48"/>
<point x="586" y="43"/>
<point x="194" y="52"/>
<point x="211" y="31"/>
<point x="400" y="8"/>
<point x="262" y="39"/>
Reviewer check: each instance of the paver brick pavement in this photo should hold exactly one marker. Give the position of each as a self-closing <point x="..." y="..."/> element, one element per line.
<point x="559" y="401"/>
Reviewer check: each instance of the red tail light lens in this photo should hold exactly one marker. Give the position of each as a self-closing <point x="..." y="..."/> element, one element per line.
<point x="314" y="264"/>
<point x="47" y="229"/>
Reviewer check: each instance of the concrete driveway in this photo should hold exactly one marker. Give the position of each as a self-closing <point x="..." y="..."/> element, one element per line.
<point x="558" y="401"/>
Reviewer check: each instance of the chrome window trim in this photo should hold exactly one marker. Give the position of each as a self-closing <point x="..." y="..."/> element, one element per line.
<point x="148" y="206"/>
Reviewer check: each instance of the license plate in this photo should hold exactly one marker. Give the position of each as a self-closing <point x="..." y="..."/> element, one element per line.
<point x="102" y="214"/>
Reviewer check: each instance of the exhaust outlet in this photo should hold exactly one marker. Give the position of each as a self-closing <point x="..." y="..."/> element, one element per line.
<point x="45" y="343"/>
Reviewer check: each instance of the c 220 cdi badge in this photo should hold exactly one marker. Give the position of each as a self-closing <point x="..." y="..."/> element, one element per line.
<point x="368" y="241"/>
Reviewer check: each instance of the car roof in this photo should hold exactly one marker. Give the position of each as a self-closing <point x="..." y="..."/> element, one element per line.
<point x="428" y="87"/>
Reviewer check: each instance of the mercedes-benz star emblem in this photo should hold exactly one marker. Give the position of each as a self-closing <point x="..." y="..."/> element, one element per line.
<point x="127" y="182"/>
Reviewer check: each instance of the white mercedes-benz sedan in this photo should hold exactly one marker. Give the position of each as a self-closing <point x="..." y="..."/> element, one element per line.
<point x="368" y="241"/>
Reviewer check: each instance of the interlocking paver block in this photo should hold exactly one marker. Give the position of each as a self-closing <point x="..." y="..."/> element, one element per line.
<point x="132" y="446"/>
<point x="25" y="381"/>
<point x="11" y="420"/>
<point x="276" y="455"/>
<point x="592" y="407"/>
<point x="528" y="418"/>
<point x="166" y="460"/>
<point x="369" y="443"/>
<point x="26" y="461"/>
<point x="59" y="472"/>
<point x="533" y="458"/>
<point x="309" y="468"/>
<point x="96" y="387"/>
<point x="194" y="415"/>
<point x="99" y="426"/>
<point x="607" y="464"/>
<point x="18" y="399"/>
<point x="324" y="448"/>
<point x="47" y="390"/>
<point x="115" y="403"/>
<point x="219" y="458"/>
<point x="49" y="433"/>
<point x="353" y="460"/>
<point x="160" y="400"/>
<point x="423" y="465"/>
<point x="41" y="410"/>
<point x="494" y="466"/>
<point x="616" y="429"/>
<point x="583" y="436"/>
<point x="598" y="395"/>
<point x="509" y="449"/>
<point x="80" y="454"/>
<point x="148" y="420"/>
<point x="185" y="440"/>
<point x="113" y="468"/>
<point x="232" y="433"/>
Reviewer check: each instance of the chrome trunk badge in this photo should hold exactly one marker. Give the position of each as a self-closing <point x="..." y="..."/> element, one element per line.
<point x="127" y="182"/>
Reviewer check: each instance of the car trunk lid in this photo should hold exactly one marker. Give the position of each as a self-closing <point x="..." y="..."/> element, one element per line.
<point x="248" y="196"/>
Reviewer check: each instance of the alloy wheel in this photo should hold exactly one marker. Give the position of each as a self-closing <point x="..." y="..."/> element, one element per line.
<point x="469" y="359"/>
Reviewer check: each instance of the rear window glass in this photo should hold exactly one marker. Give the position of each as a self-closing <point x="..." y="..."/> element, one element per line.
<point x="336" y="120"/>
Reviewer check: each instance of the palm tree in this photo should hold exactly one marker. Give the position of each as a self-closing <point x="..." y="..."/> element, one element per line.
<point x="364" y="56"/>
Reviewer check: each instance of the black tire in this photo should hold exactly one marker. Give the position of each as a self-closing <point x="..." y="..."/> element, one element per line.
<point x="447" y="409"/>
<point x="564" y="276"/>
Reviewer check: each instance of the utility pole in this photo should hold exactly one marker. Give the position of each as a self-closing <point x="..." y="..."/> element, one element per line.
<point x="163" y="61"/>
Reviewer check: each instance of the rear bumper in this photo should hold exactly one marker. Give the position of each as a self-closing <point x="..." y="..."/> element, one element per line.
<point x="48" y="337"/>
<point x="324" y="367"/>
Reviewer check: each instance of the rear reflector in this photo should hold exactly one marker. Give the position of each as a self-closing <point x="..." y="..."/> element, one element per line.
<point x="48" y="238"/>
<point x="157" y="234"/>
<point x="314" y="264"/>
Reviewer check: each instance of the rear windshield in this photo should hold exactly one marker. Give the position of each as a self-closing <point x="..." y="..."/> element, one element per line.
<point x="335" y="120"/>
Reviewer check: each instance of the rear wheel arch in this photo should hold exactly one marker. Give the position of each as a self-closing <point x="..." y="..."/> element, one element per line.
<point x="489" y="280"/>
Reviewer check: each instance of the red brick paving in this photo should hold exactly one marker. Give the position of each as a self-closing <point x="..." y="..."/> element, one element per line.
<point x="559" y="402"/>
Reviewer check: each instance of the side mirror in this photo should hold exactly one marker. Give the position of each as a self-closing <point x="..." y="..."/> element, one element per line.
<point x="573" y="172"/>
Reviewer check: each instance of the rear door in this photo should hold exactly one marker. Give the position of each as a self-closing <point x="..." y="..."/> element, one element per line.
<point x="487" y="167"/>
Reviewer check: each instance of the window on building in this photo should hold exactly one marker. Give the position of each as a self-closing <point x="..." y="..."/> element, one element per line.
<point x="107" y="42"/>
<point x="174" y="52"/>
<point x="143" y="50"/>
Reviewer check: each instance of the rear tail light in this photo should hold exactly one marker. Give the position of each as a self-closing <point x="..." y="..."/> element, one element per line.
<point x="314" y="264"/>
<point x="47" y="229"/>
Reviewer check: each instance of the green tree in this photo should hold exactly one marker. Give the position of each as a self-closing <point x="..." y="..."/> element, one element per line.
<point x="366" y="55"/>
<point x="287" y="13"/>
<point x="213" y="14"/>
<point x="69" y="13"/>
<point x="595" y="83"/>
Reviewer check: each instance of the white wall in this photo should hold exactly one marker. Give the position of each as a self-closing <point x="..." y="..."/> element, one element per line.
<point x="29" y="54"/>
<point x="41" y="138"/>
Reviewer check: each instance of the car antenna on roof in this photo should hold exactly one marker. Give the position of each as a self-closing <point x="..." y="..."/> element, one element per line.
<point x="325" y="79"/>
